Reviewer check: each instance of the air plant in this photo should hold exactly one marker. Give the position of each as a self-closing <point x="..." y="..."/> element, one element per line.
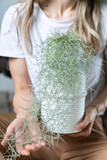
<point x="59" y="64"/>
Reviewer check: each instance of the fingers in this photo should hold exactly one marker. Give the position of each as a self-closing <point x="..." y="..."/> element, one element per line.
<point x="84" y="123"/>
<point x="19" y="141"/>
<point x="84" y="133"/>
<point x="9" y="132"/>
<point x="19" y="135"/>
<point x="24" y="152"/>
<point x="84" y="127"/>
<point x="35" y="140"/>
<point x="25" y="149"/>
<point x="34" y="147"/>
<point x="31" y="147"/>
<point x="89" y="117"/>
<point x="19" y="147"/>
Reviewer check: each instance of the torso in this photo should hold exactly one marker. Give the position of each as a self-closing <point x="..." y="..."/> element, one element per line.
<point x="42" y="27"/>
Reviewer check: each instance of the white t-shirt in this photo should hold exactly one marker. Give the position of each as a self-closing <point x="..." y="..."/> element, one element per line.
<point x="41" y="28"/>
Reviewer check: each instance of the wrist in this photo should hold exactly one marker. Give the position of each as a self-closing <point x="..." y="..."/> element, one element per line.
<point x="95" y="107"/>
<point x="21" y="114"/>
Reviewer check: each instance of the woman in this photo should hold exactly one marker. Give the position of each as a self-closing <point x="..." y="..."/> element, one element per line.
<point x="33" y="23"/>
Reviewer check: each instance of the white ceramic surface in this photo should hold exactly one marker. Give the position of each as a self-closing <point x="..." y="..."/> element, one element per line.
<point x="63" y="116"/>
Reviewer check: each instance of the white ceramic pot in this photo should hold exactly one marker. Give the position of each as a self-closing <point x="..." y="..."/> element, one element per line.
<point x="63" y="116"/>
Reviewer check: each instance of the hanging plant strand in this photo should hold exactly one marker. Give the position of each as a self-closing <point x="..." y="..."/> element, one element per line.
<point x="60" y="64"/>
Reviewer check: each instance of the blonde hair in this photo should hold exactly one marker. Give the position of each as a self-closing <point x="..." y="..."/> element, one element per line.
<point x="87" y="20"/>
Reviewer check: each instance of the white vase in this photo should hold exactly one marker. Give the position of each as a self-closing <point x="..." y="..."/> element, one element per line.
<point x="63" y="116"/>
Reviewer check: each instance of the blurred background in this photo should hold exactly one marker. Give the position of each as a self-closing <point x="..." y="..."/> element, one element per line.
<point x="6" y="83"/>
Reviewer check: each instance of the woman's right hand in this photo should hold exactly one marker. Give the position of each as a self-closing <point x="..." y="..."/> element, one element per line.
<point x="17" y="127"/>
<point x="22" y="97"/>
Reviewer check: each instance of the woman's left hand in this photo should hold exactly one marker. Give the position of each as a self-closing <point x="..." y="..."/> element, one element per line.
<point x="86" y="125"/>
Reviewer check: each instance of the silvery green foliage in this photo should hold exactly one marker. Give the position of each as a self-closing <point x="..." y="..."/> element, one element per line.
<point x="61" y="59"/>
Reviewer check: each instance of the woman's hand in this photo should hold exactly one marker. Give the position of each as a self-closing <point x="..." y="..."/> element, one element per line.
<point x="86" y="125"/>
<point x="16" y="127"/>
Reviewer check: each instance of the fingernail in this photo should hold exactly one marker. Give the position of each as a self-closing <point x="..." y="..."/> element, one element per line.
<point x="3" y="144"/>
<point x="77" y="128"/>
<point x="38" y="145"/>
<point x="25" y="153"/>
<point x="43" y="144"/>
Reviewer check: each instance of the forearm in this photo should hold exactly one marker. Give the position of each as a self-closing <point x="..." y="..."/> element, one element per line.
<point x="23" y="98"/>
<point x="100" y="102"/>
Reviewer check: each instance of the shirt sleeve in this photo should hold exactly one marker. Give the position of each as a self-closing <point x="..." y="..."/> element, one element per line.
<point x="10" y="45"/>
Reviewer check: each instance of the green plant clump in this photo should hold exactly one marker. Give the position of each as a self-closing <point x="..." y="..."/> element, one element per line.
<point x="59" y="62"/>
<point x="62" y="59"/>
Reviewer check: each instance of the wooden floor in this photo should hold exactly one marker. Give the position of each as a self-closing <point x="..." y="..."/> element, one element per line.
<point x="6" y="106"/>
<point x="6" y="99"/>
